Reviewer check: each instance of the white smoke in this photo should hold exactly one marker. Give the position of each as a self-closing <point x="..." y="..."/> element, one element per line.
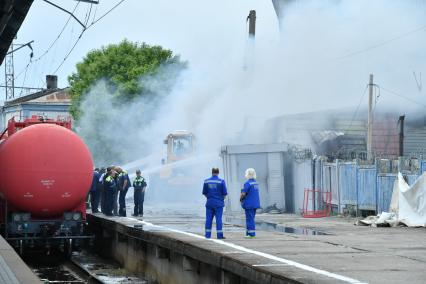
<point x="320" y="60"/>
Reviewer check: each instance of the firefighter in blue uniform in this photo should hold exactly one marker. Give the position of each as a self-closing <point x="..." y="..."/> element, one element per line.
<point x="250" y="201"/>
<point x="102" y="193"/>
<point x="110" y="187"/>
<point x="94" y="192"/>
<point x="139" y="186"/>
<point x="214" y="190"/>
<point x="123" y="187"/>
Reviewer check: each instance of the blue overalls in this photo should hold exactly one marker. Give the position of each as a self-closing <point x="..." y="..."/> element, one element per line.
<point x="94" y="192"/>
<point x="122" y="192"/>
<point x="214" y="189"/>
<point x="139" y="185"/>
<point x="110" y="187"/>
<point x="250" y="203"/>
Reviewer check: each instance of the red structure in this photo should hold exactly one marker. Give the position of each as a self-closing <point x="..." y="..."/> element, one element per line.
<point x="45" y="173"/>
<point x="316" y="204"/>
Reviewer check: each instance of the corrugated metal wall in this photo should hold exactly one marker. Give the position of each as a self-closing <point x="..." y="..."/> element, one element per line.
<point x="275" y="179"/>
<point x="415" y="142"/>
<point x="366" y="188"/>
<point x="302" y="179"/>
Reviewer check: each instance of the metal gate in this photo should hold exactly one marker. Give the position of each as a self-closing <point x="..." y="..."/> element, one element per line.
<point x="366" y="188"/>
<point x="347" y="183"/>
<point x="385" y="183"/>
<point x="330" y="183"/>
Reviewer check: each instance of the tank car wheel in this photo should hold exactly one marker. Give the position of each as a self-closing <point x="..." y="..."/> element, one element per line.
<point x="68" y="249"/>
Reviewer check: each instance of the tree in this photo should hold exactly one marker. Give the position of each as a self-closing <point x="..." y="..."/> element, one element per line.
<point x="121" y="65"/>
<point x="116" y="92"/>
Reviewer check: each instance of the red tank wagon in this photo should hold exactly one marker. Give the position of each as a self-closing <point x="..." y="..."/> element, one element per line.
<point x="45" y="173"/>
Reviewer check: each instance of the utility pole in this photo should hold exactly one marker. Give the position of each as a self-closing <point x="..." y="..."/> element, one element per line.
<point x="370" y="120"/>
<point x="249" y="55"/>
<point x="252" y="23"/>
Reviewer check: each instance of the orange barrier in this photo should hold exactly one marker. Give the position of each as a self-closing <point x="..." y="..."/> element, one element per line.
<point x="316" y="204"/>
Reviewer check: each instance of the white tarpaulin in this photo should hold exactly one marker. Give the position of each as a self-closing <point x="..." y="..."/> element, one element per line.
<point x="408" y="205"/>
<point x="409" y="202"/>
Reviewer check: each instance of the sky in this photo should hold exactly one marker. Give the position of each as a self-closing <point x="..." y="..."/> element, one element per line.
<point x="321" y="59"/>
<point x="160" y="22"/>
<point x="320" y="33"/>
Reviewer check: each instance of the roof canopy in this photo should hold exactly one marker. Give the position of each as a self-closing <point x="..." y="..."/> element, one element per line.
<point x="12" y="14"/>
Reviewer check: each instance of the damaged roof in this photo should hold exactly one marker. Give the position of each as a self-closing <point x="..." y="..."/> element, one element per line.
<point x="12" y="14"/>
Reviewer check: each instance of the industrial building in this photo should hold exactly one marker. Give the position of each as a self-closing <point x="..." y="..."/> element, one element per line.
<point x="341" y="134"/>
<point x="50" y="103"/>
<point x="327" y="151"/>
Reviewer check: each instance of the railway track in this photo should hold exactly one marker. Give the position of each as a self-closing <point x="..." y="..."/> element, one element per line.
<point x="82" y="268"/>
<point x="69" y="271"/>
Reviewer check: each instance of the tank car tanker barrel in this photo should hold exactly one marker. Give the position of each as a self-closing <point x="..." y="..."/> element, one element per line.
<point x="45" y="174"/>
<point x="45" y="169"/>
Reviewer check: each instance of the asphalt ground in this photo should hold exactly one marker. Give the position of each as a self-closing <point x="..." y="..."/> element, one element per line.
<point x="322" y="250"/>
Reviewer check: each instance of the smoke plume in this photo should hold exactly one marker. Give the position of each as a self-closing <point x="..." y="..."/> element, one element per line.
<point x="319" y="59"/>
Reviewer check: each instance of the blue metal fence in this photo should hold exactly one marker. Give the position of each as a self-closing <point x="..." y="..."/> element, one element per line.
<point x="347" y="183"/>
<point x="422" y="167"/>
<point x="385" y="183"/>
<point x="330" y="184"/>
<point x="359" y="185"/>
<point x="411" y="179"/>
<point x="366" y="188"/>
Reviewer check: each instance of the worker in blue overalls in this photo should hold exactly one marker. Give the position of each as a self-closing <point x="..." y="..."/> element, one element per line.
<point x="139" y="186"/>
<point x="214" y="189"/>
<point x="250" y="201"/>
<point x="94" y="191"/>
<point x="110" y="187"/>
<point x="123" y="187"/>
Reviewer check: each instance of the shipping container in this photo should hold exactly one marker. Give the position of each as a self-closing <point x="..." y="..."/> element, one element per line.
<point x="267" y="160"/>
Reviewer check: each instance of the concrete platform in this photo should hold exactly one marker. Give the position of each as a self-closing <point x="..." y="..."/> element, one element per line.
<point x="348" y="254"/>
<point x="13" y="269"/>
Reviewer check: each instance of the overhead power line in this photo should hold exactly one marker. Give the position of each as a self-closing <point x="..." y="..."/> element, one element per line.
<point x="357" y="109"/>
<point x="69" y="52"/>
<point x="104" y="15"/>
<point x="402" y="96"/>
<point x="66" y="11"/>
<point x="409" y="33"/>
<point x="82" y="32"/>
<point x="57" y="37"/>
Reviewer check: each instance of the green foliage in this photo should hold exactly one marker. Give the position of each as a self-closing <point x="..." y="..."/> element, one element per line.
<point x="122" y="66"/>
